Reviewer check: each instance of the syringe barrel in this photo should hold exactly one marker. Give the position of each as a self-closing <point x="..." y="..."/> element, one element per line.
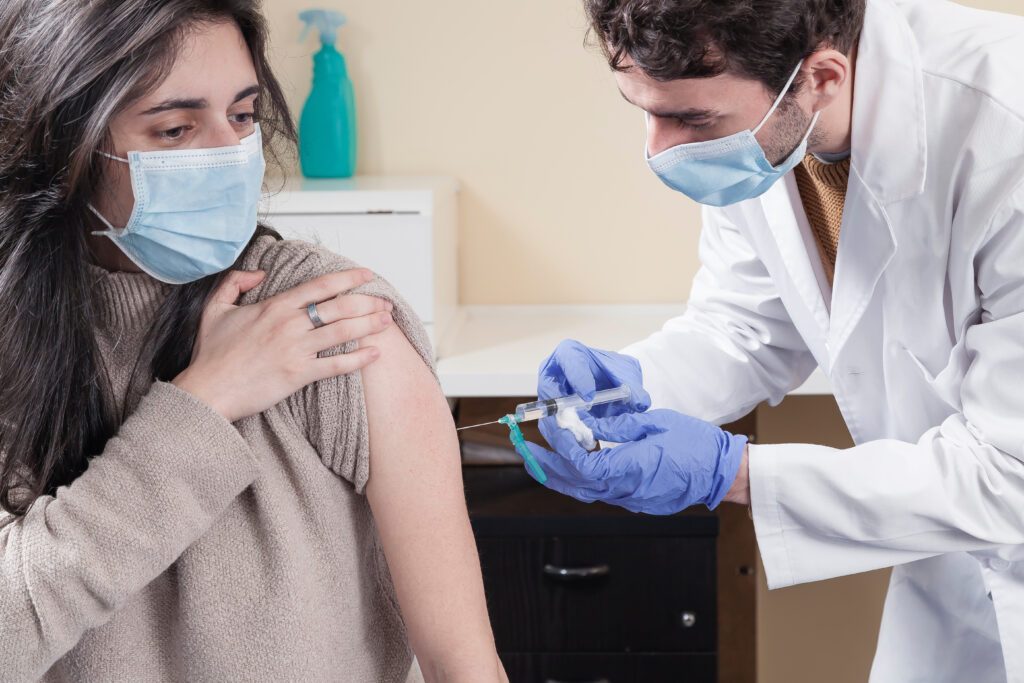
<point x="614" y="395"/>
<point x="527" y="412"/>
<point x="535" y="410"/>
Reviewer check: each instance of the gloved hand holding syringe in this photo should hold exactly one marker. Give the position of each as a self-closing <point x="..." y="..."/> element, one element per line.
<point x="565" y="408"/>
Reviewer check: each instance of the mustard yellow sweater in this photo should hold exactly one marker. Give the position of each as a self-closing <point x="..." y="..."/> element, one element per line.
<point x="823" y="193"/>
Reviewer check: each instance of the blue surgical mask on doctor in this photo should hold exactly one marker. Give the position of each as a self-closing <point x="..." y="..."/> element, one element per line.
<point x="730" y="169"/>
<point x="195" y="209"/>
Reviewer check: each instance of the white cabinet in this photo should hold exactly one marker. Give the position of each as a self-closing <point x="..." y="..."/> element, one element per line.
<point x="404" y="229"/>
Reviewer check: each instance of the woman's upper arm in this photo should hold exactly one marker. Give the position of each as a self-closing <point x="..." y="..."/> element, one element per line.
<point x="416" y="494"/>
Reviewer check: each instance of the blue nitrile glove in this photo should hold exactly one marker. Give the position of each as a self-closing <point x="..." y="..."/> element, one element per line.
<point x="578" y="369"/>
<point x="666" y="463"/>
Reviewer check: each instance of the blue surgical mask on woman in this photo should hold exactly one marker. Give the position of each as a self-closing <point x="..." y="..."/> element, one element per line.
<point x="730" y="169"/>
<point x="195" y="209"/>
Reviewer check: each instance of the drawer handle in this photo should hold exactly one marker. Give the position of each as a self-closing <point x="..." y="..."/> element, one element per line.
<point x="577" y="573"/>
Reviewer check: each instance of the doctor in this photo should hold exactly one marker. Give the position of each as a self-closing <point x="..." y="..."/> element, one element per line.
<point x="872" y="226"/>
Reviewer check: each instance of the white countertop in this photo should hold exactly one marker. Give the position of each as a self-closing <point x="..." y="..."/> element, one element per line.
<point x="496" y="350"/>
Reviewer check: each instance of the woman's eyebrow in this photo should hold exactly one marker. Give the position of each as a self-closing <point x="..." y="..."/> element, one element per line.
<point x="196" y="103"/>
<point x="248" y="92"/>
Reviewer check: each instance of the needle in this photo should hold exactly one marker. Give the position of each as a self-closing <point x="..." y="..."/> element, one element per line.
<point x="479" y="425"/>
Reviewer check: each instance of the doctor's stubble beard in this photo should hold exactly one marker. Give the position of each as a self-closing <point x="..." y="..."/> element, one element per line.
<point x="790" y="127"/>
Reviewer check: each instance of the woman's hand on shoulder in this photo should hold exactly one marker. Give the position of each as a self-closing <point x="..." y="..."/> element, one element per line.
<point x="248" y="358"/>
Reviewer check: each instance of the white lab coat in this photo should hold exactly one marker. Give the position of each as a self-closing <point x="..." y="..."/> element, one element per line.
<point x="922" y="338"/>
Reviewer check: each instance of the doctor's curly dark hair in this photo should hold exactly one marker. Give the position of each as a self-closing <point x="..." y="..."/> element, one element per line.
<point x="758" y="39"/>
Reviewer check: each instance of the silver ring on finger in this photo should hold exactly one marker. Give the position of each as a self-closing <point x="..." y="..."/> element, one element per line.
<point x="314" y="316"/>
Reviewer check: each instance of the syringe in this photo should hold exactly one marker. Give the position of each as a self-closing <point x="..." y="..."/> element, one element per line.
<point x="527" y="412"/>
<point x="535" y="410"/>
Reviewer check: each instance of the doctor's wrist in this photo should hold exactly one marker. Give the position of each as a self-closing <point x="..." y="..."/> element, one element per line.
<point x="739" y="492"/>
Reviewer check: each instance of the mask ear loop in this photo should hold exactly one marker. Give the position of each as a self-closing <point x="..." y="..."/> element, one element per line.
<point x="647" y="134"/>
<point x="111" y="230"/>
<point x="810" y="129"/>
<point x="778" y="100"/>
<point x="111" y="156"/>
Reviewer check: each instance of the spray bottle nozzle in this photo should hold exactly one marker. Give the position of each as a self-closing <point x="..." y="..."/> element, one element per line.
<point x="326" y="21"/>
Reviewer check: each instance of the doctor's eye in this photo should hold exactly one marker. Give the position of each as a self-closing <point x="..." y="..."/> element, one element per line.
<point x="243" y="119"/>
<point x="682" y="123"/>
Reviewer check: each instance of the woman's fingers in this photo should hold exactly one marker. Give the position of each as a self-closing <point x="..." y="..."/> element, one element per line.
<point x="348" y="306"/>
<point x="249" y="358"/>
<point x="352" y="329"/>
<point x="344" y="363"/>
<point x="321" y="289"/>
<point x="235" y="284"/>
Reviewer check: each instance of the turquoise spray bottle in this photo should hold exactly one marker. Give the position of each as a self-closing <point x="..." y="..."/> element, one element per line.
<point x="327" y="127"/>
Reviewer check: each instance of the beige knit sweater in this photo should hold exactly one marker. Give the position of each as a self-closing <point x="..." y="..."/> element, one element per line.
<point x="197" y="550"/>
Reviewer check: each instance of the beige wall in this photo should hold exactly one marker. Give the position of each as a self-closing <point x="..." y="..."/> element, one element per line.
<point x="1011" y="6"/>
<point x="557" y="199"/>
<point x="502" y="95"/>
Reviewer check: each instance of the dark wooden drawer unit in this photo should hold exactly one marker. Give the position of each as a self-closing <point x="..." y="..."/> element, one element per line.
<point x="580" y="593"/>
<point x="598" y="668"/>
<point x="601" y="593"/>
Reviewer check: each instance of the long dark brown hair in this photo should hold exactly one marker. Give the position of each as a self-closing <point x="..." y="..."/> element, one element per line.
<point x="67" y="67"/>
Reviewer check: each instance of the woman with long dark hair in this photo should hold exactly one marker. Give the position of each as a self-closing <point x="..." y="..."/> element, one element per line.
<point x="195" y="482"/>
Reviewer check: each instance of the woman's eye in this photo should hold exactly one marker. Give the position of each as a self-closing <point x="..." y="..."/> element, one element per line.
<point x="174" y="133"/>
<point x="244" y="118"/>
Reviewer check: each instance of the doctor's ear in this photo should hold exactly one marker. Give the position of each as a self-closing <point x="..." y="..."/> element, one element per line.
<point x="825" y="74"/>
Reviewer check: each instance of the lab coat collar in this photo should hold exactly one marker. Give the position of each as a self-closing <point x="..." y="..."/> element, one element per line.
<point x="888" y="165"/>
<point x="778" y="211"/>
<point x="888" y="136"/>
<point x="867" y="244"/>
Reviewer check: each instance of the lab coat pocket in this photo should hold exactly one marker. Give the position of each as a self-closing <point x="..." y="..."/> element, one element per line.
<point x="945" y="384"/>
